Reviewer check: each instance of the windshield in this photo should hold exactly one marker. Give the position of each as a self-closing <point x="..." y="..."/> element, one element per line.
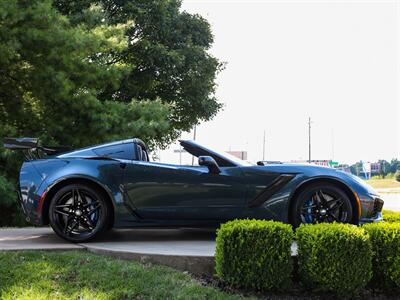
<point x="198" y="149"/>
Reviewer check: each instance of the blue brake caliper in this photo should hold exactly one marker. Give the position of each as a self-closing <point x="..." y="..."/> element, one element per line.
<point x="307" y="212"/>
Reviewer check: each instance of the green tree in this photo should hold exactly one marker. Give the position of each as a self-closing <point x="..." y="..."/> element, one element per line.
<point x="384" y="168"/>
<point x="356" y="168"/>
<point x="394" y="165"/>
<point x="52" y="74"/>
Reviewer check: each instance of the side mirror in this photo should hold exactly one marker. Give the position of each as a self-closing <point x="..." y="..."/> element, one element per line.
<point x="210" y="163"/>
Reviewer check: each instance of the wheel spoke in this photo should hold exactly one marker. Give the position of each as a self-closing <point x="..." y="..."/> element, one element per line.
<point x="88" y="223"/>
<point x="74" y="197"/>
<point x="321" y="197"/>
<point x="332" y="216"/>
<point x="310" y="206"/>
<point x="91" y="203"/>
<point x="90" y="212"/>
<point x="78" y="197"/>
<point x="337" y="205"/>
<point x="83" y="197"/>
<point x="73" y="225"/>
<point x="63" y="205"/>
<point x="62" y="212"/>
<point x="312" y="214"/>
<point x="67" y="223"/>
<point x="317" y="198"/>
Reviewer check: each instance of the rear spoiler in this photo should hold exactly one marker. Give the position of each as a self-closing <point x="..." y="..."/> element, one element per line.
<point x="31" y="148"/>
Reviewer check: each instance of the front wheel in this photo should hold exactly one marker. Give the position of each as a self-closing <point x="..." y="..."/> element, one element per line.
<point x="322" y="203"/>
<point x="78" y="213"/>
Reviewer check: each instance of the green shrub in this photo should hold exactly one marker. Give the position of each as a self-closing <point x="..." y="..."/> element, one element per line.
<point x="385" y="238"/>
<point x="390" y="216"/>
<point x="254" y="254"/>
<point x="334" y="257"/>
<point x="7" y="192"/>
<point x="10" y="211"/>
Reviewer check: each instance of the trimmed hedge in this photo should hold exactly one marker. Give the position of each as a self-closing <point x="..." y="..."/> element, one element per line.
<point x="385" y="238"/>
<point x="334" y="257"/>
<point x="390" y="216"/>
<point x="254" y="254"/>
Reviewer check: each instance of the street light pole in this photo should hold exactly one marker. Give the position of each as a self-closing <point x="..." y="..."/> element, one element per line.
<point x="333" y="145"/>
<point x="264" y="147"/>
<point x="309" y="140"/>
<point x="194" y="138"/>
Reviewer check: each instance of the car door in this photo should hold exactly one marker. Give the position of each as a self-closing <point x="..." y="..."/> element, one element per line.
<point x="174" y="192"/>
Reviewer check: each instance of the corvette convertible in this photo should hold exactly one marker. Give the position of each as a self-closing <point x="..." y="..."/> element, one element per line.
<point x="81" y="193"/>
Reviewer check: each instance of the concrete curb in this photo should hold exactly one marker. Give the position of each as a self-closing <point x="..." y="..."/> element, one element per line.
<point x="181" y="250"/>
<point x="197" y="265"/>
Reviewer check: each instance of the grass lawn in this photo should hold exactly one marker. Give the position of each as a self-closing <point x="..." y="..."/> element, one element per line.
<point x="383" y="183"/>
<point x="80" y="275"/>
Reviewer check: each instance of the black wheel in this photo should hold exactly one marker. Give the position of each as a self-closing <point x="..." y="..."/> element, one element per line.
<point x="320" y="203"/>
<point x="78" y="213"/>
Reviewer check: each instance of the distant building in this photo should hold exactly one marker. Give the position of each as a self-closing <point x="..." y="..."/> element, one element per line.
<point x="239" y="154"/>
<point x="375" y="168"/>
<point x="370" y="169"/>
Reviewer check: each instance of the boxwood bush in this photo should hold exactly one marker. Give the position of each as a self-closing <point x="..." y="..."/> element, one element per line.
<point x="385" y="238"/>
<point x="254" y="254"/>
<point x="390" y="216"/>
<point x="334" y="257"/>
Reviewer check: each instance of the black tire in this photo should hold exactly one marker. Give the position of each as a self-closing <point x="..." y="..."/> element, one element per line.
<point x="322" y="202"/>
<point x="79" y="213"/>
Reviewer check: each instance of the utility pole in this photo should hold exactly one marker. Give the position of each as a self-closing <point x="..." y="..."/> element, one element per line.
<point x="333" y="145"/>
<point x="264" y="147"/>
<point x="194" y="132"/>
<point x="194" y="138"/>
<point x="309" y="140"/>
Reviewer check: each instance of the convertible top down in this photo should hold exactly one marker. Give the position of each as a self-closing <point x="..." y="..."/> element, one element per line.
<point x="82" y="193"/>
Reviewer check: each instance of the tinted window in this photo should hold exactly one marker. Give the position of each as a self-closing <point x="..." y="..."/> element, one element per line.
<point x="121" y="151"/>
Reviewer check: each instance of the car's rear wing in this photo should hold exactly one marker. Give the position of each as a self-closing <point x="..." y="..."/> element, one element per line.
<point x="31" y="148"/>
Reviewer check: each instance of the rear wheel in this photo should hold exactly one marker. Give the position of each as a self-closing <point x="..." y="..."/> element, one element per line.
<point x="79" y="213"/>
<point x="322" y="203"/>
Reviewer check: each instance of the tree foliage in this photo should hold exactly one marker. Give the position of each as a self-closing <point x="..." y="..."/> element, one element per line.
<point x="52" y="73"/>
<point x="78" y="72"/>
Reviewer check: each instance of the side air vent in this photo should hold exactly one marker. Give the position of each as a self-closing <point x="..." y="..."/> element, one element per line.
<point x="270" y="190"/>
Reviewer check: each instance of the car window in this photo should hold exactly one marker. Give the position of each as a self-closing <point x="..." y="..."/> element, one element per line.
<point x="120" y="151"/>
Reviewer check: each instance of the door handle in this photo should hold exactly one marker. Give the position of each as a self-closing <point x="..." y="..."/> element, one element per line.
<point x="122" y="165"/>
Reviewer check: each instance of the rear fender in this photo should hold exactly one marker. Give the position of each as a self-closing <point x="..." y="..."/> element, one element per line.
<point x="106" y="175"/>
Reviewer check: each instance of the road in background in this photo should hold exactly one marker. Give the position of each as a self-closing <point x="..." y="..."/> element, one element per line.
<point x="392" y="201"/>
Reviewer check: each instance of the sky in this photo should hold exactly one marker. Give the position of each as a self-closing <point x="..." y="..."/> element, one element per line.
<point x="337" y="62"/>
